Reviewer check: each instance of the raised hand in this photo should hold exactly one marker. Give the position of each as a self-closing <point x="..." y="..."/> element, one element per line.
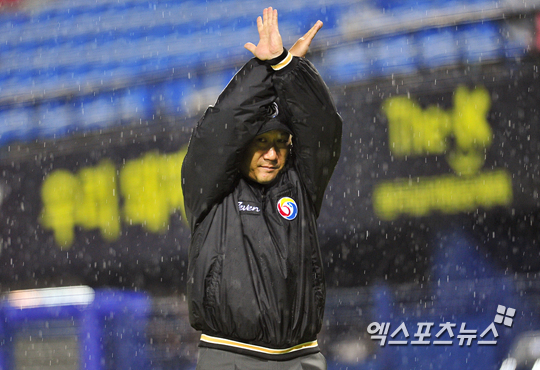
<point x="270" y="44"/>
<point x="300" y="47"/>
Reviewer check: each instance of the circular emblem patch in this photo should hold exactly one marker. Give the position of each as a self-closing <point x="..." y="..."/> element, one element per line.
<point x="287" y="208"/>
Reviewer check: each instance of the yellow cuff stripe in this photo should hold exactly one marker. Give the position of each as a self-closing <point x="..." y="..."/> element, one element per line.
<point x="251" y="347"/>
<point x="283" y="63"/>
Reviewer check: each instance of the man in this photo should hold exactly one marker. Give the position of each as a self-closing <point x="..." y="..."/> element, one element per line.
<point x="254" y="178"/>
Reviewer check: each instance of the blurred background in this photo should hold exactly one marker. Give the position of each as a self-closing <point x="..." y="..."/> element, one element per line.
<point x="432" y="215"/>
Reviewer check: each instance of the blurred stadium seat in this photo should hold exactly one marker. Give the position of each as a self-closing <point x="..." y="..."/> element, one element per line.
<point x="438" y="47"/>
<point x="480" y="42"/>
<point x="55" y="119"/>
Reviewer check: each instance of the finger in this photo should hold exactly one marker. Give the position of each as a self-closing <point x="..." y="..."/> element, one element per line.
<point x="270" y="13"/>
<point x="260" y="26"/>
<point x="276" y="18"/>
<point x="251" y="47"/>
<point x="313" y="31"/>
<point x="270" y="16"/>
<point x="265" y="16"/>
<point x="308" y="37"/>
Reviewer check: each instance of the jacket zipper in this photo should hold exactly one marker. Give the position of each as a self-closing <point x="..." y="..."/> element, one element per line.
<point x="263" y="199"/>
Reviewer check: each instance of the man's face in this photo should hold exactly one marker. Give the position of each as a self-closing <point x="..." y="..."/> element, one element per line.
<point x="265" y="156"/>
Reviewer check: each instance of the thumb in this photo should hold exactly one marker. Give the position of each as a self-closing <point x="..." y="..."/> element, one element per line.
<point x="251" y="47"/>
<point x="313" y="31"/>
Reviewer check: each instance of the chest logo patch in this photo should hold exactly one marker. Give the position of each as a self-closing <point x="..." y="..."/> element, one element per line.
<point x="287" y="208"/>
<point x="248" y="208"/>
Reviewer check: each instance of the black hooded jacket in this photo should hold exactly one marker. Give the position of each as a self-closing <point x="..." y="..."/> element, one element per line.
<point x="255" y="278"/>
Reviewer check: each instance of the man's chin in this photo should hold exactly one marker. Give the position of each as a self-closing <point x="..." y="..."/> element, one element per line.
<point x="266" y="178"/>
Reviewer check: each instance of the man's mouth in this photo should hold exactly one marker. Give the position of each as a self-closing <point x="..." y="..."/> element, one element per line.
<point x="269" y="168"/>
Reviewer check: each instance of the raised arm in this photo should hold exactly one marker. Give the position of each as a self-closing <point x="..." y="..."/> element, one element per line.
<point x="316" y="125"/>
<point x="210" y="168"/>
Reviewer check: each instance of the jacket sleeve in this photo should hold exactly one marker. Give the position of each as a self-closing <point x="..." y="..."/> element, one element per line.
<point x="211" y="166"/>
<point x="315" y="123"/>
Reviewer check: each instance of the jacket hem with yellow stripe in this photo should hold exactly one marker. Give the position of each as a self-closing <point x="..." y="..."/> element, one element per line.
<point x="275" y="354"/>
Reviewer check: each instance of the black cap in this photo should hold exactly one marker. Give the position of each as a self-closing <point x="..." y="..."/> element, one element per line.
<point x="274" y="124"/>
<point x="274" y="121"/>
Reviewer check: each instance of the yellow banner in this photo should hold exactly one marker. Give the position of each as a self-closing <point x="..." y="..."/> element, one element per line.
<point x="145" y="191"/>
<point x="462" y="134"/>
<point x="448" y="194"/>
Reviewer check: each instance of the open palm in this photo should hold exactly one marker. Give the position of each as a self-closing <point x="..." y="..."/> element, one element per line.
<point x="270" y="44"/>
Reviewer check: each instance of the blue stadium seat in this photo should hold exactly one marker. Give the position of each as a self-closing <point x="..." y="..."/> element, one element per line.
<point x="51" y="79"/>
<point x="173" y="95"/>
<point x="55" y="119"/>
<point x="306" y="16"/>
<point x="217" y="80"/>
<point x="13" y="22"/>
<point x="407" y="9"/>
<point x="23" y="82"/>
<point x="480" y="42"/>
<point x="134" y="104"/>
<point x="15" y="124"/>
<point x="96" y="112"/>
<point x="69" y="76"/>
<point x="351" y="62"/>
<point x="438" y="47"/>
<point x="8" y="81"/>
<point x="4" y="81"/>
<point x="117" y="73"/>
<point x="395" y="55"/>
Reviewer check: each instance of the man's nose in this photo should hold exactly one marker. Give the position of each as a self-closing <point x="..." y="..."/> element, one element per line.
<point x="271" y="154"/>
